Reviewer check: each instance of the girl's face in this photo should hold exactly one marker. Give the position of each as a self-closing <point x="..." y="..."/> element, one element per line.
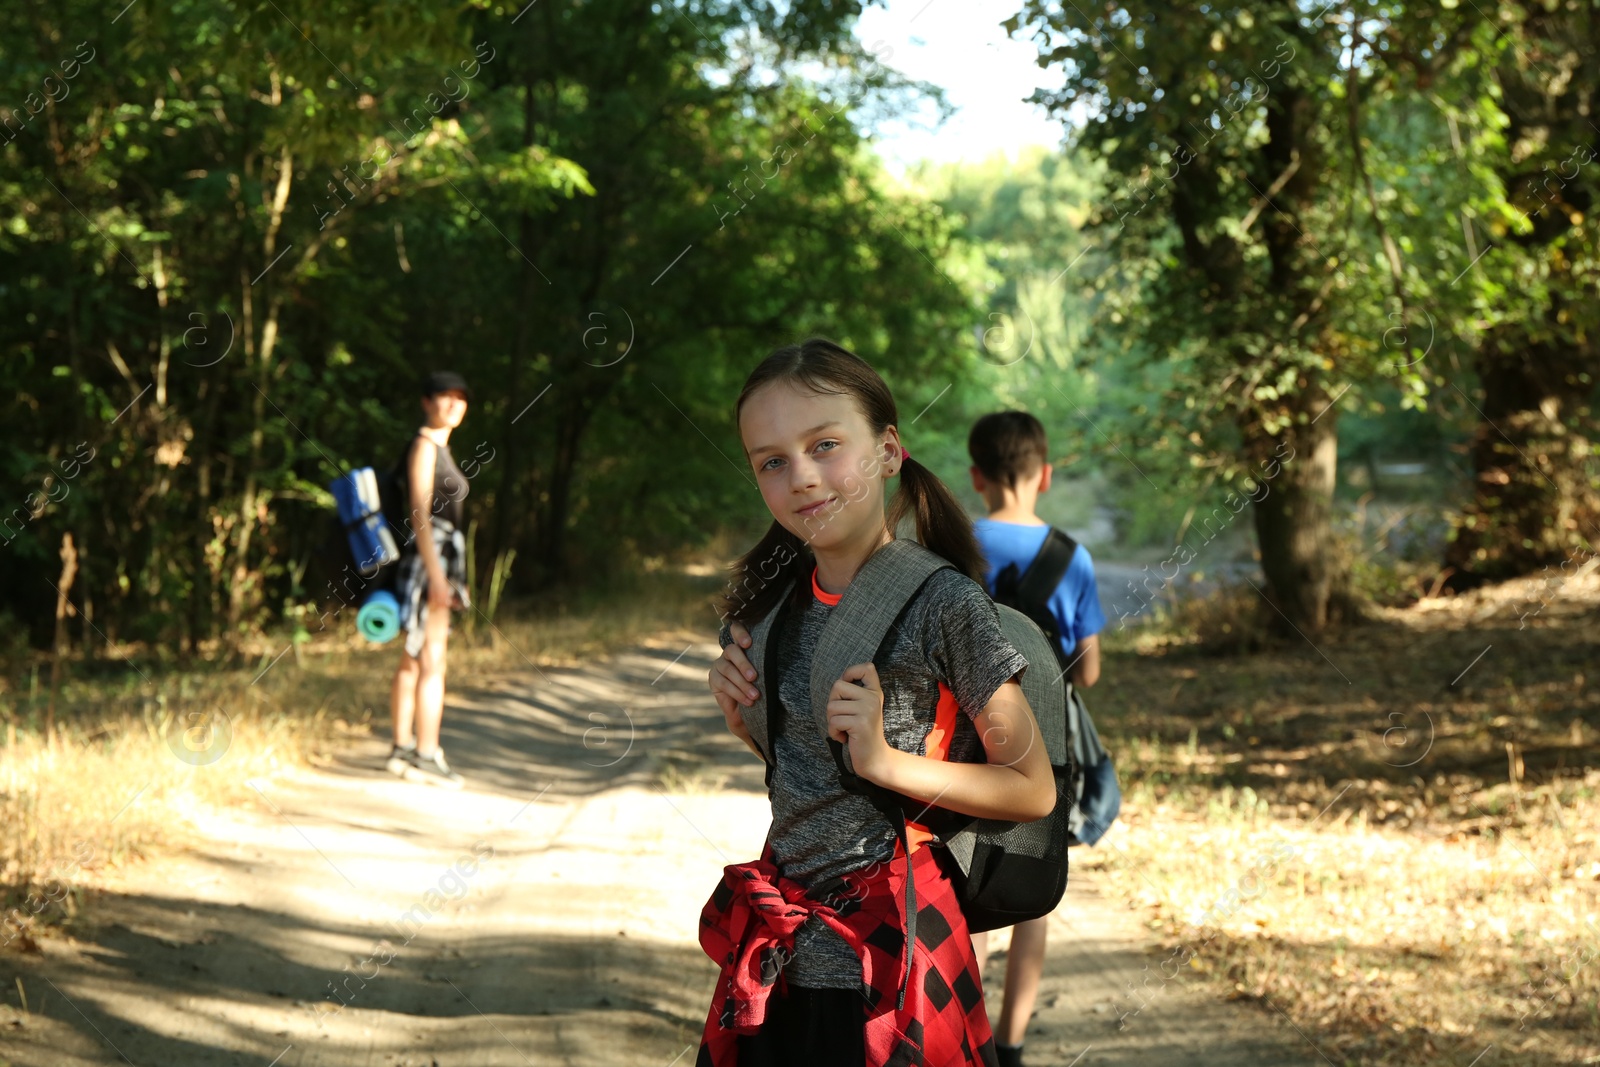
<point x="445" y="409"/>
<point x="818" y="463"/>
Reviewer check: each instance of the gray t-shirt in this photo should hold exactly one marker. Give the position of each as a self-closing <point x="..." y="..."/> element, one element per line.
<point x="951" y="635"/>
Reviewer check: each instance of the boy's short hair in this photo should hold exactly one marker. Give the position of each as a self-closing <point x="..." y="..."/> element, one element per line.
<point x="1008" y="445"/>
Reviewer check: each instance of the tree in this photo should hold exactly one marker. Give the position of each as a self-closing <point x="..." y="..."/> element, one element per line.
<point x="1522" y="91"/>
<point x="1257" y="269"/>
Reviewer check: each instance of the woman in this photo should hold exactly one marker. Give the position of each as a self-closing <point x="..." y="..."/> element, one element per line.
<point x="432" y="580"/>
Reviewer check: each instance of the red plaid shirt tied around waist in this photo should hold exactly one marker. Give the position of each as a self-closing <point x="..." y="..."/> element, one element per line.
<point x="748" y="928"/>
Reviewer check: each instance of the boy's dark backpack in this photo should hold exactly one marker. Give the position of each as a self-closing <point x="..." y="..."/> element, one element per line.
<point x="1097" y="793"/>
<point x="1004" y="872"/>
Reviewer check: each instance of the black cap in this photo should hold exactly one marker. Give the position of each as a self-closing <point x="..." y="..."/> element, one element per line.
<point x="442" y="381"/>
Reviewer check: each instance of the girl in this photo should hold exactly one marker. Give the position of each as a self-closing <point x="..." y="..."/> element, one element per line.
<point x="825" y="905"/>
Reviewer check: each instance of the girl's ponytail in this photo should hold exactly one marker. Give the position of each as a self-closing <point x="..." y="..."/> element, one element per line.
<point x="942" y="524"/>
<point x="758" y="577"/>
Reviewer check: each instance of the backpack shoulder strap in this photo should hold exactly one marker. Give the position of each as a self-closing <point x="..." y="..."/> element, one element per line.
<point x="761" y="716"/>
<point x="1043" y="576"/>
<point x="877" y="596"/>
<point x="402" y="460"/>
<point x="888" y="581"/>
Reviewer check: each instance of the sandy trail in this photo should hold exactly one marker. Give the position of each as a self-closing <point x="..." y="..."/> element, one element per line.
<point x="545" y="915"/>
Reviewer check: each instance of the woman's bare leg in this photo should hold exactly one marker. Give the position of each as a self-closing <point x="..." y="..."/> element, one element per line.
<point x="430" y="682"/>
<point x="403" y="699"/>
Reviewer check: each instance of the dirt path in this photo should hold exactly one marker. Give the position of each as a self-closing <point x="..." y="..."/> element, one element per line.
<point x="546" y="915"/>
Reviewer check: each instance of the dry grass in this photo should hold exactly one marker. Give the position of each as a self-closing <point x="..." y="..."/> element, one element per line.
<point x="95" y="798"/>
<point x="1392" y="838"/>
<point x="142" y="746"/>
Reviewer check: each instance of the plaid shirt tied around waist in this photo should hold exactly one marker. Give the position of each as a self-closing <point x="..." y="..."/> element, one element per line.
<point x="748" y="928"/>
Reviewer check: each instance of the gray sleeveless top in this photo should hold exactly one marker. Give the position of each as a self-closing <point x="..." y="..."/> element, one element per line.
<point x="449" y="485"/>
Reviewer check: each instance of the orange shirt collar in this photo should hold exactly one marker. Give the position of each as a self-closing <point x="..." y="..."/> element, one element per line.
<point x="822" y="594"/>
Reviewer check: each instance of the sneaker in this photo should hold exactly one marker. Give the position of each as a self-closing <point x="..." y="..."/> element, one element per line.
<point x="1008" y="1055"/>
<point x="400" y="758"/>
<point x="432" y="769"/>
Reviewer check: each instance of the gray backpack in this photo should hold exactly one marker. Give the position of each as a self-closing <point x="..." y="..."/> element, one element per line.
<point x="1005" y="872"/>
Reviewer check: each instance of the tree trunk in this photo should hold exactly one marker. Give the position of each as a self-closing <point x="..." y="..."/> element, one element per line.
<point x="69" y="571"/>
<point x="244" y="585"/>
<point x="505" y="510"/>
<point x="558" y="506"/>
<point x="1293" y="509"/>
<point x="1535" y="499"/>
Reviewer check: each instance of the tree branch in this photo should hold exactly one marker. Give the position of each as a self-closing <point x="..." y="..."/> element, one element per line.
<point x="1273" y="190"/>
<point x="1390" y="249"/>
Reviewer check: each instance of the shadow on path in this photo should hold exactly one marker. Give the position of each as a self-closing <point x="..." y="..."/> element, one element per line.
<point x="240" y="987"/>
<point x="642" y="715"/>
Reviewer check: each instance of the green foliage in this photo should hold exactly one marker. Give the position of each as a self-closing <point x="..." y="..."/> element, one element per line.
<point x="1233" y="201"/>
<point x="1316" y="210"/>
<point x="234" y="233"/>
<point x="236" y="242"/>
<point x="1019" y="223"/>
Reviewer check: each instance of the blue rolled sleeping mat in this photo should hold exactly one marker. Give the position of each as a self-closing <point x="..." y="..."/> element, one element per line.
<point x="372" y="545"/>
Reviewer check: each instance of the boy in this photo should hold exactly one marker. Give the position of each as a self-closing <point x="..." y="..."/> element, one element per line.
<point x="1010" y="469"/>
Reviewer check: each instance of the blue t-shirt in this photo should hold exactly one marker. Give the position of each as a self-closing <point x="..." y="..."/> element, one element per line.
<point x="1076" y="602"/>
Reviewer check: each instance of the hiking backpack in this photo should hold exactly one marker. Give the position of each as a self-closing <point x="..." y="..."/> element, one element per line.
<point x="1097" y="795"/>
<point x="1004" y="872"/>
<point x="374" y="527"/>
<point x="359" y="501"/>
